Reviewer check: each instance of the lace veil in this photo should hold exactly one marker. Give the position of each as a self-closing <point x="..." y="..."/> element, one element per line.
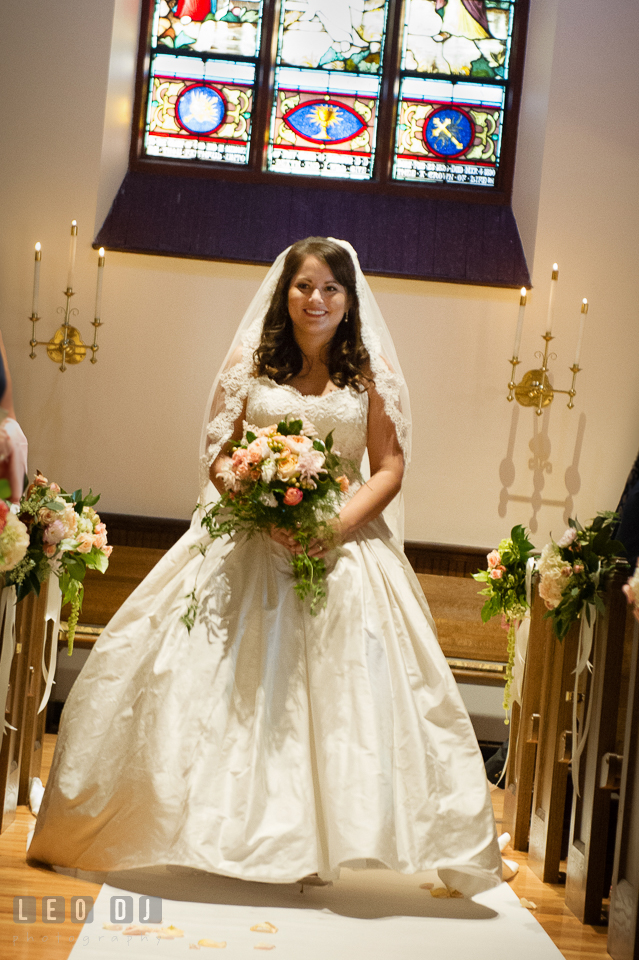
<point x="231" y="385"/>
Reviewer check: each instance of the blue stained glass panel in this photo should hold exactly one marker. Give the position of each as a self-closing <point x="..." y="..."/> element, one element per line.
<point x="449" y="131"/>
<point x="200" y="109"/>
<point x="325" y="122"/>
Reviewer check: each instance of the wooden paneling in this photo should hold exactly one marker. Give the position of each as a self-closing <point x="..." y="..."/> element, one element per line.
<point x="456" y="604"/>
<point x="106" y="592"/>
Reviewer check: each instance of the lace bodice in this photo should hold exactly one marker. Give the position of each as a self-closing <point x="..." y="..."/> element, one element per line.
<point x="343" y="411"/>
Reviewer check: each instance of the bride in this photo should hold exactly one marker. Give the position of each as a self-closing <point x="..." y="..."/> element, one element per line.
<point x="268" y="744"/>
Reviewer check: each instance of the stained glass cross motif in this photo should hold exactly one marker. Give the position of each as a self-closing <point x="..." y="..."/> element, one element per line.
<point x="327" y="85"/>
<point x="200" y="102"/>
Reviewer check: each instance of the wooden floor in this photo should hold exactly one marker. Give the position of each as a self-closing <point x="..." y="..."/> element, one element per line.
<point x="45" y="941"/>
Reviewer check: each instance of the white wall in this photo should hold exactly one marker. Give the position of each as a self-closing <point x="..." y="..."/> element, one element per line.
<point x="129" y="426"/>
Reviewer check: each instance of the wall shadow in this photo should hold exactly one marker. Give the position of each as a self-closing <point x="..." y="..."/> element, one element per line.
<point x="540" y="465"/>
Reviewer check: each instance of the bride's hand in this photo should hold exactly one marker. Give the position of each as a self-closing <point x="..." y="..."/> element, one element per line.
<point x="319" y="547"/>
<point x="285" y="539"/>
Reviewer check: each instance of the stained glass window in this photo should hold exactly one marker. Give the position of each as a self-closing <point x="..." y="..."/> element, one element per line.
<point x="333" y="96"/>
<point x="327" y="88"/>
<point x="454" y="80"/>
<point x="202" y="79"/>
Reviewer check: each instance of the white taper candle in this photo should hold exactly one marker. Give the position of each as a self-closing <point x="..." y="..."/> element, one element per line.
<point x="553" y="284"/>
<point x="584" y="311"/>
<point x="72" y="249"/>
<point x="520" y="321"/>
<point x="98" y="291"/>
<point x="36" y="280"/>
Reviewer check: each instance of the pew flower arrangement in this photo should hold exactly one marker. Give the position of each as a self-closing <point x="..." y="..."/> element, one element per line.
<point x="505" y="591"/>
<point x="631" y="590"/>
<point x="65" y="537"/>
<point x="14" y="537"/>
<point x="575" y="569"/>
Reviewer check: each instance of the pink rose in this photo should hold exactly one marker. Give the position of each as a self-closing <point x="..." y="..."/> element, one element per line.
<point x="54" y="488"/>
<point x="54" y="533"/>
<point x="578" y="568"/>
<point x="497" y="573"/>
<point x="241" y="465"/>
<point x="258" y="450"/>
<point x="107" y="551"/>
<point x="293" y="496"/>
<point x="100" y="527"/>
<point x="99" y="540"/>
<point x="494" y="559"/>
<point x="85" y="543"/>
<point x="4" y="510"/>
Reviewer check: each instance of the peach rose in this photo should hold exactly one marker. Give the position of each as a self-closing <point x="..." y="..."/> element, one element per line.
<point x="49" y="549"/>
<point x="40" y="481"/>
<point x="497" y="573"/>
<point x="494" y="559"/>
<point x="287" y="468"/>
<point x="99" y="540"/>
<point x="54" y="488"/>
<point x="107" y="551"/>
<point x="344" y="483"/>
<point x="293" y="496"/>
<point x="298" y="444"/>
<point x="85" y="543"/>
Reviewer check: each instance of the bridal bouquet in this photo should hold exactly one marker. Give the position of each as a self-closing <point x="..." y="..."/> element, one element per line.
<point x="505" y="590"/>
<point x="65" y="536"/>
<point x="574" y="570"/>
<point x="281" y="476"/>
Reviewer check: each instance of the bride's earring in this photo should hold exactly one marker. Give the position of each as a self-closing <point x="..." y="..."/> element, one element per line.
<point x="345" y="317"/>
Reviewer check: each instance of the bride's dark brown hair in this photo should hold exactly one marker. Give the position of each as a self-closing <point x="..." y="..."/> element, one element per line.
<point x="279" y="357"/>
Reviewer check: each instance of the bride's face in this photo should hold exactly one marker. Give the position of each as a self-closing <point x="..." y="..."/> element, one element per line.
<point x="316" y="301"/>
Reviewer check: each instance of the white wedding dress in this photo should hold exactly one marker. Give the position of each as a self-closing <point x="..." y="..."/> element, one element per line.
<point x="268" y="744"/>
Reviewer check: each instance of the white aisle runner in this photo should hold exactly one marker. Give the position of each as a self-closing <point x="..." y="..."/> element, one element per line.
<point x="372" y="915"/>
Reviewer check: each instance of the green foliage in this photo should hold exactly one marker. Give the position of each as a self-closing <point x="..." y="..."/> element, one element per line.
<point x="506" y="594"/>
<point x="5" y="490"/>
<point x="591" y="556"/>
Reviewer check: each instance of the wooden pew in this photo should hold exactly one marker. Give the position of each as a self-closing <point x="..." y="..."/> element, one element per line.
<point x="524" y="730"/>
<point x="31" y="633"/>
<point x="549" y="795"/>
<point x="623" y="918"/>
<point x="587" y="849"/>
<point x="12" y="739"/>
